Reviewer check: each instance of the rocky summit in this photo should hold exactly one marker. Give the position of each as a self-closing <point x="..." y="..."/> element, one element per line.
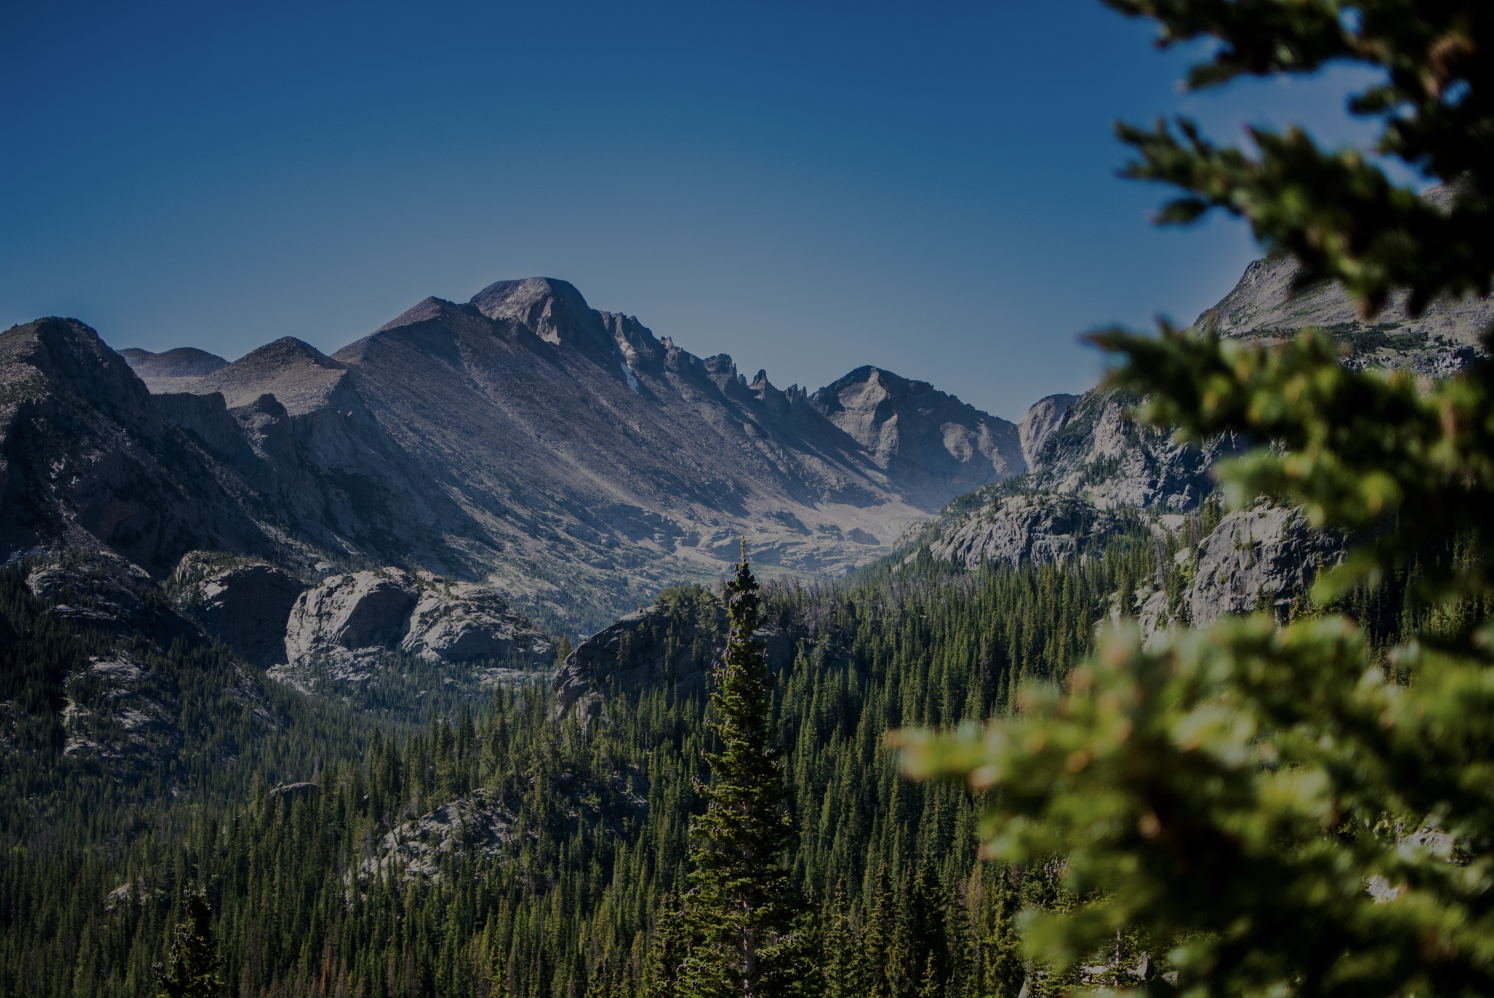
<point x="564" y="456"/>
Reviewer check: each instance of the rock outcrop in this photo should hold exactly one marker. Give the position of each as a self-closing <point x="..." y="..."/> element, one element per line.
<point x="1043" y="419"/>
<point x="103" y="591"/>
<point x="483" y="824"/>
<point x="459" y="622"/>
<point x="1035" y="527"/>
<point x="1255" y="558"/>
<point x="350" y="620"/>
<point x="672" y="644"/>
<point x="1094" y="449"/>
<point x="247" y="607"/>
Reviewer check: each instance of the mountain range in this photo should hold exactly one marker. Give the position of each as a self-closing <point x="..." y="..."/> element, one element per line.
<point x="565" y="455"/>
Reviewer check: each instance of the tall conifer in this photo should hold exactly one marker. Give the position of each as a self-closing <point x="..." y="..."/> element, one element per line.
<point x="191" y="971"/>
<point x="743" y="906"/>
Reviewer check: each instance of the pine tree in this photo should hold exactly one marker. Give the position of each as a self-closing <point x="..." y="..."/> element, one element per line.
<point x="191" y="969"/>
<point x="743" y="906"/>
<point x="931" y="986"/>
<point x="845" y="961"/>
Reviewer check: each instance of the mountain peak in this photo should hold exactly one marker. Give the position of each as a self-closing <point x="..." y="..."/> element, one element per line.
<point x="530" y="298"/>
<point x="554" y="311"/>
<point x="430" y="308"/>
<point x="918" y="431"/>
<point x="70" y="352"/>
<point x="285" y="350"/>
<point x="294" y="371"/>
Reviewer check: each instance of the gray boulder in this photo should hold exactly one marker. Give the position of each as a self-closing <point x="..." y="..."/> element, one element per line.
<point x="350" y="619"/>
<point x="294" y="791"/>
<point x="1030" y="527"/>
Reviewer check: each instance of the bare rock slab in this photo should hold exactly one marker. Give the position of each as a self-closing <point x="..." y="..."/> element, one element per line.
<point x="351" y="618"/>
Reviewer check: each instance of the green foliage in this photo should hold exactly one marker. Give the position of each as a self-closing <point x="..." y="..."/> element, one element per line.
<point x="743" y="905"/>
<point x="305" y="891"/>
<point x="1305" y="809"/>
<point x="191" y="969"/>
<point x="1337" y="212"/>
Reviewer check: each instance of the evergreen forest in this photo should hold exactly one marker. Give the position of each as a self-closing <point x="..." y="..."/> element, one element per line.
<point x="387" y="878"/>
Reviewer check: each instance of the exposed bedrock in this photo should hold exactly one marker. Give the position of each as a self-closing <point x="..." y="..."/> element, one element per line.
<point x="1257" y="558"/>
<point x="362" y="614"/>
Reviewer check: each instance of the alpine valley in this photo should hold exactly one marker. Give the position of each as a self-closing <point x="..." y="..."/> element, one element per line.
<point x="402" y="655"/>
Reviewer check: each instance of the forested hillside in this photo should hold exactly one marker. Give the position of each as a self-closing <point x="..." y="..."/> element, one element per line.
<point x="495" y="848"/>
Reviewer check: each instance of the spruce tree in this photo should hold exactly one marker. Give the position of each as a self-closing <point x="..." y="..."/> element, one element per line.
<point x="191" y="969"/>
<point x="876" y="939"/>
<point x="666" y="953"/>
<point x="743" y="907"/>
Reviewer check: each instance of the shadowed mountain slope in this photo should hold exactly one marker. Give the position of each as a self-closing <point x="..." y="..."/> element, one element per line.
<point x="88" y="460"/>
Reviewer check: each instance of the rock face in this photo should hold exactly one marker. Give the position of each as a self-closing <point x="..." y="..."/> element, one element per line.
<point x="459" y="622"/>
<point x="348" y="620"/>
<point x="349" y="617"/>
<point x="1030" y="527"/>
<point x="1096" y="450"/>
<point x="246" y="607"/>
<point x="88" y="462"/>
<point x="1042" y="420"/>
<point x="1439" y="342"/>
<point x="673" y="643"/>
<point x="1262" y="556"/>
<point x="1088" y="459"/>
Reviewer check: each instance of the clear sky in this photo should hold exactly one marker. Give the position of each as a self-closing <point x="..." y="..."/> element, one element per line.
<point x="809" y="187"/>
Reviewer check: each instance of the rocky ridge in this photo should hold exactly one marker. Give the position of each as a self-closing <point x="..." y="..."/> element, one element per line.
<point x="1262" y="557"/>
<point x="1267" y="303"/>
<point x="1087" y="459"/>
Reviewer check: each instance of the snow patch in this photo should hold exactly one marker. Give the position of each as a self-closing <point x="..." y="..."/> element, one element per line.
<point x="628" y="373"/>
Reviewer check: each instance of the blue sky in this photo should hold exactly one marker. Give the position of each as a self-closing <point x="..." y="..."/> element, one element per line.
<point x="809" y="187"/>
